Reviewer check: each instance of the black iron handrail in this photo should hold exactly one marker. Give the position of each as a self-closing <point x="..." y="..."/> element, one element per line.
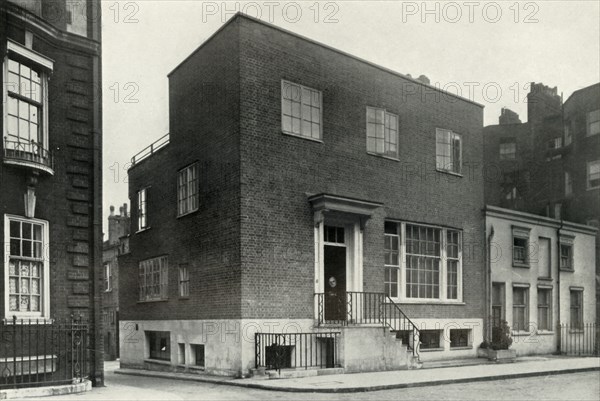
<point x="151" y="149"/>
<point x="28" y="151"/>
<point x="355" y="307"/>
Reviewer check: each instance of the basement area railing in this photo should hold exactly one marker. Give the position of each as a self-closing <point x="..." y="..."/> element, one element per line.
<point x="356" y="308"/>
<point x="579" y="339"/>
<point x="37" y="352"/>
<point x="296" y="350"/>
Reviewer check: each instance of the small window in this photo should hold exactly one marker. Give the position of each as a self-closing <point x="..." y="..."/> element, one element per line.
<point x="568" y="184"/>
<point x="198" y="355"/>
<point x="184" y="281"/>
<point x="520" y="308"/>
<point x="555" y="143"/>
<point x="593" y="123"/>
<point x="187" y="190"/>
<point x="430" y="339"/>
<point x="593" y="174"/>
<point x="142" y="216"/>
<point x="497" y="304"/>
<point x="459" y="338"/>
<point x="448" y="151"/>
<point x="566" y="256"/>
<point x="520" y="246"/>
<point x="159" y="345"/>
<point x="508" y="149"/>
<point x="576" y="309"/>
<point x="107" y="277"/>
<point x="300" y="110"/>
<point x="544" y="309"/>
<point x="382" y="132"/>
<point x="392" y="259"/>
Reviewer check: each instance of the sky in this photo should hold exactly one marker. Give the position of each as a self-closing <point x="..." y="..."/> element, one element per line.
<point x="486" y="51"/>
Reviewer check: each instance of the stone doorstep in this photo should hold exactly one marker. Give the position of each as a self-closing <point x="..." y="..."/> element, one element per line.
<point x="297" y="373"/>
<point x="30" y="392"/>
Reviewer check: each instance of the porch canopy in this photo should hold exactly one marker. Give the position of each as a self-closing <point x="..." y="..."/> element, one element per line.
<point x="325" y="203"/>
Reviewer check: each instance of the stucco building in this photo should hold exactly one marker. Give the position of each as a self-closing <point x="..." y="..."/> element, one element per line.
<point x="303" y="189"/>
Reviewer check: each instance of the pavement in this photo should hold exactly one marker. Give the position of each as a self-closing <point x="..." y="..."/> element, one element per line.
<point x="361" y="382"/>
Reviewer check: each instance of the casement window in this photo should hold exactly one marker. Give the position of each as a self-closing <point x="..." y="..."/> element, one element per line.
<point x="159" y="345"/>
<point x="107" y="277"/>
<point x="520" y="308"/>
<point x="593" y="123"/>
<point x="593" y="174"/>
<point x="566" y="252"/>
<point x="142" y="215"/>
<point x="422" y="263"/>
<point x="26" y="95"/>
<point x="498" y="302"/>
<point x="568" y="184"/>
<point x="392" y="259"/>
<point x="184" y="281"/>
<point x="544" y="321"/>
<point x="508" y="149"/>
<point x="576" y="308"/>
<point x="382" y="132"/>
<point x="520" y="248"/>
<point x="460" y="338"/>
<point x="153" y="279"/>
<point x="187" y="190"/>
<point x="301" y="110"/>
<point x="430" y="339"/>
<point x="448" y="151"/>
<point x="27" y="278"/>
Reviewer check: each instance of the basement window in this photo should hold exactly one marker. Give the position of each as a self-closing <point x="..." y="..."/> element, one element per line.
<point x="430" y="339"/>
<point x="159" y="345"/>
<point x="459" y="338"/>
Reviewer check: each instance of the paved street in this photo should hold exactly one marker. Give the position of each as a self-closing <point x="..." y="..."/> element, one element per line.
<point x="577" y="386"/>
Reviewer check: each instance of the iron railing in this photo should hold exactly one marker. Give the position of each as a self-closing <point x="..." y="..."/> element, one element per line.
<point x="32" y="152"/>
<point x="579" y="339"/>
<point x="296" y="350"/>
<point x="37" y="352"/>
<point x="150" y="150"/>
<point x="367" y="308"/>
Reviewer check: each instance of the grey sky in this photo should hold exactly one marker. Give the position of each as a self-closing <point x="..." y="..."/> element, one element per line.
<point x="487" y="51"/>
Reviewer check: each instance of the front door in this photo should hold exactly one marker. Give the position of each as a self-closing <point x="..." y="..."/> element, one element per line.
<point x="335" y="274"/>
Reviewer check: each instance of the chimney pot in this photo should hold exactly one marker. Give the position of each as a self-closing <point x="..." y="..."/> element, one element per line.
<point x="112" y="210"/>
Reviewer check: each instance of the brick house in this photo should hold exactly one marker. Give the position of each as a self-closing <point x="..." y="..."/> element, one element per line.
<point x="50" y="180"/>
<point x="549" y="165"/>
<point x="116" y="244"/>
<point x="303" y="190"/>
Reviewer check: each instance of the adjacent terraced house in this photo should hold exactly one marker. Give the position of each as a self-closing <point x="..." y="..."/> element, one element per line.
<point x="307" y="209"/>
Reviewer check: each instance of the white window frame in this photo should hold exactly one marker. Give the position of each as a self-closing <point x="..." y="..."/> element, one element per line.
<point x="147" y="268"/>
<point x="303" y="104"/>
<point x="44" y="312"/>
<point x="142" y="218"/>
<point x="521" y="233"/>
<point x="43" y="66"/>
<point x="388" y="283"/>
<point x="188" y="190"/>
<point x="547" y="307"/>
<point x="388" y="129"/>
<point x="443" y="271"/>
<point x="567" y="241"/>
<point x="502" y="151"/>
<point x="592" y="117"/>
<point x="587" y="175"/>
<point x="107" y="277"/>
<point x="526" y="307"/>
<point x="448" y="137"/>
<point x="580" y="324"/>
<point x="184" y="281"/>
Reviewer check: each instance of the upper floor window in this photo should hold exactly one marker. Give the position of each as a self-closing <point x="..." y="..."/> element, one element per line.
<point x="555" y="143"/>
<point x="593" y="123"/>
<point x="566" y="252"/>
<point x="27" y="276"/>
<point x="593" y="174"/>
<point x="382" y="132"/>
<point x="184" y="281"/>
<point x="154" y="279"/>
<point x="520" y="248"/>
<point x="301" y="110"/>
<point x="568" y="184"/>
<point x="187" y="190"/>
<point x="448" y="151"/>
<point x="107" y="277"/>
<point x="142" y="215"/>
<point x="508" y="149"/>
<point x="568" y="133"/>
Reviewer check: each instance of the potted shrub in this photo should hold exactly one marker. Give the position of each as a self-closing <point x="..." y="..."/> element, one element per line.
<point x="498" y="349"/>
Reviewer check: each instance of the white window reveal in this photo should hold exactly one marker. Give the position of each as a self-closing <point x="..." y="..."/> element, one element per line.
<point x="301" y="110"/>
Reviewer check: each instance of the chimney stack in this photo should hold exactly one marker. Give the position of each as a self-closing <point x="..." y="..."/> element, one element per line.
<point x="424" y="79"/>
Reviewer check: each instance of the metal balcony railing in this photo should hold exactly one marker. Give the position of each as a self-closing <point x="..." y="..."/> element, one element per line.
<point x="31" y="154"/>
<point x="150" y="150"/>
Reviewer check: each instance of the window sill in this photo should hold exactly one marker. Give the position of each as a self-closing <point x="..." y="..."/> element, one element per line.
<point x="545" y="278"/>
<point x="593" y="188"/>
<point x="302" y="137"/>
<point x="179" y="216"/>
<point x="564" y="269"/>
<point x="383" y="156"/>
<point x="461" y="348"/>
<point x="431" y="349"/>
<point x="194" y="367"/>
<point x="545" y="333"/>
<point x="449" y="172"/>
<point x="521" y="265"/>
<point x="421" y="301"/>
<point x="521" y="333"/>
<point x="186" y="298"/>
<point x="142" y="230"/>
<point x="149" y="301"/>
<point x="158" y="361"/>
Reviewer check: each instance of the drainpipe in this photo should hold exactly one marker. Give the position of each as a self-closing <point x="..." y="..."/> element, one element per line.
<point x="488" y="285"/>
<point x="558" y="327"/>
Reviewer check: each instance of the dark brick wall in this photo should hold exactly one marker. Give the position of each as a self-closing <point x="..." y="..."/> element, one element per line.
<point x="204" y="124"/>
<point x="278" y="170"/>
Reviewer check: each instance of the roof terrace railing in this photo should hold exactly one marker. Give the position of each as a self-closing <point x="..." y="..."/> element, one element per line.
<point x="150" y="150"/>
